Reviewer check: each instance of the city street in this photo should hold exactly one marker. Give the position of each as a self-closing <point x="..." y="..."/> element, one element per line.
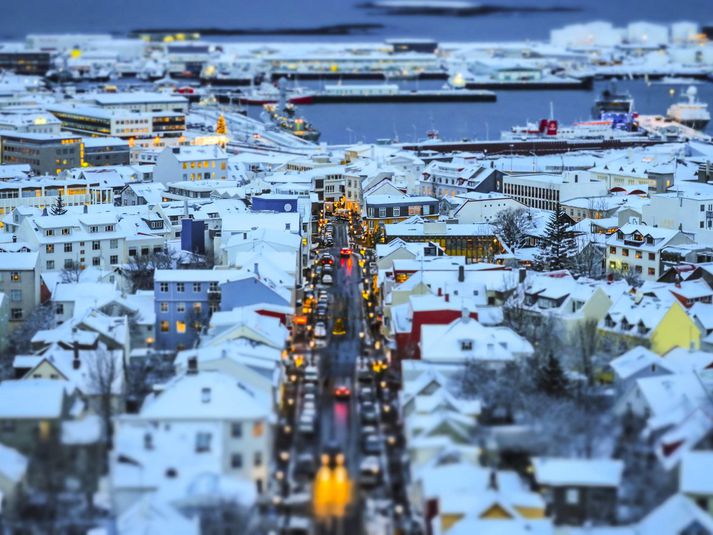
<point x="344" y="473"/>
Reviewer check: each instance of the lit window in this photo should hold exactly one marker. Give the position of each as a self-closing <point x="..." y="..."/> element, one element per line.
<point x="180" y="327"/>
<point x="197" y="308"/>
<point x="15" y="276"/>
<point x="257" y="429"/>
<point x="164" y="326"/>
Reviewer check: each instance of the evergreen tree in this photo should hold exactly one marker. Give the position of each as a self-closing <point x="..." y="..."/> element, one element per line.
<point x="551" y="379"/>
<point x="559" y="244"/>
<point x="58" y="206"/>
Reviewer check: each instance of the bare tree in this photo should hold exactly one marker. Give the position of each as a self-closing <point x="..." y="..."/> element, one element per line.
<point x="106" y="384"/>
<point x="513" y="225"/>
<point x="585" y="342"/>
<point x="71" y="273"/>
<point x="140" y="269"/>
<point x="41" y="317"/>
<point x="589" y="261"/>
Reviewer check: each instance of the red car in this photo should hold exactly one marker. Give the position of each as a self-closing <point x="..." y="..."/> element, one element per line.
<point x="327" y="260"/>
<point x="345" y="251"/>
<point x="342" y="392"/>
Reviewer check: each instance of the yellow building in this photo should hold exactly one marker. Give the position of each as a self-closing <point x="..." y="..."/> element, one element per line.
<point x="633" y="320"/>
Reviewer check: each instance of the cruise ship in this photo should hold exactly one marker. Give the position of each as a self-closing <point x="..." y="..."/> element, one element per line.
<point x="692" y="112"/>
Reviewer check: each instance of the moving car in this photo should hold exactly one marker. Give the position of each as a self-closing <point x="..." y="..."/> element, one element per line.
<point x="320" y="329"/>
<point x="345" y="251"/>
<point x="370" y="472"/>
<point x="342" y="392"/>
<point x="371" y="444"/>
<point x="327" y="279"/>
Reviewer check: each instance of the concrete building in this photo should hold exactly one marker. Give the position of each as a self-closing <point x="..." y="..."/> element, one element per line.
<point x="545" y="191"/>
<point x="47" y="154"/>
<point x="142" y="128"/>
<point x="101" y="151"/>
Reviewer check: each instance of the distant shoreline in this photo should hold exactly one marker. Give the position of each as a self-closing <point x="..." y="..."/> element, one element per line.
<point x="475" y="10"/>
<point x="332" y="29"/>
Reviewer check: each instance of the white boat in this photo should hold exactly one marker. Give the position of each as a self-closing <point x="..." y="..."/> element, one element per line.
<point x="691" y="113"/>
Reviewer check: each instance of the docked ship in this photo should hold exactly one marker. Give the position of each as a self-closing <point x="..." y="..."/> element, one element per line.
<point x="691" y="113"/>
<point x="285" y="118"/>
<point x="267" y="93"/>
<point x="612" y="101"/>
<point x="356" y="93"/>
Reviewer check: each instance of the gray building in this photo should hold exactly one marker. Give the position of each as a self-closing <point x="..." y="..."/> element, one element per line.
<point x="101" y="151"/>
<point x="45" y="153"/>
<point x="20" y="282"/>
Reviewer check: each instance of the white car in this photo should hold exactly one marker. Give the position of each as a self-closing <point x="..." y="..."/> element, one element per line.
<point x="320" y="330"/>
<point x="327" y="279"/>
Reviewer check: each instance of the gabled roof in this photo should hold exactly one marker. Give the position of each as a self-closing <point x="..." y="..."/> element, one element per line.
<point x="31" y="399"/>
<point x="205" y="395"/>
<point x="637" y="359"/>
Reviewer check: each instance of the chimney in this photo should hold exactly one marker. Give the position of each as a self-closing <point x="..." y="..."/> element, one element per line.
<point x="86" y="209"/>
<point x="448" y="298"/>
<point x="44" y="211"/>
<point x="493" y="481"/>
<point x="522" y="275"/>
<point x="255" y="269"/>
<point x="678" y="280"/>
<point x="440" y="292"/>
<point x="14" y="238"/>
<point x="287" y="226"/>
<point x="610" y="278"/>
<point x="461" y="273"/>
<point x="465" y="315"/>
<point x="76" y="363"/>
<point x="192" y="365"/>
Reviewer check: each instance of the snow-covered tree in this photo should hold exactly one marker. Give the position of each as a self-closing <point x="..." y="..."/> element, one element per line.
<point x="558" y="245"/>
<point x="58" y="207"/>
<point x="513" y="225"/>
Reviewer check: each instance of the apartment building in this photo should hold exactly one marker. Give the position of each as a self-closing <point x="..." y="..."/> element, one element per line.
<point x="637" y="248"/>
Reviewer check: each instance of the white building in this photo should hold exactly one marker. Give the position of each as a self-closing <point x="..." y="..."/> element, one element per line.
<point x="199" y="424"/>
<point x="637" y="248"/>
<point x="544" y="191"/>
<point x="184" y="163"/>
<point x="90" y="239"/>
